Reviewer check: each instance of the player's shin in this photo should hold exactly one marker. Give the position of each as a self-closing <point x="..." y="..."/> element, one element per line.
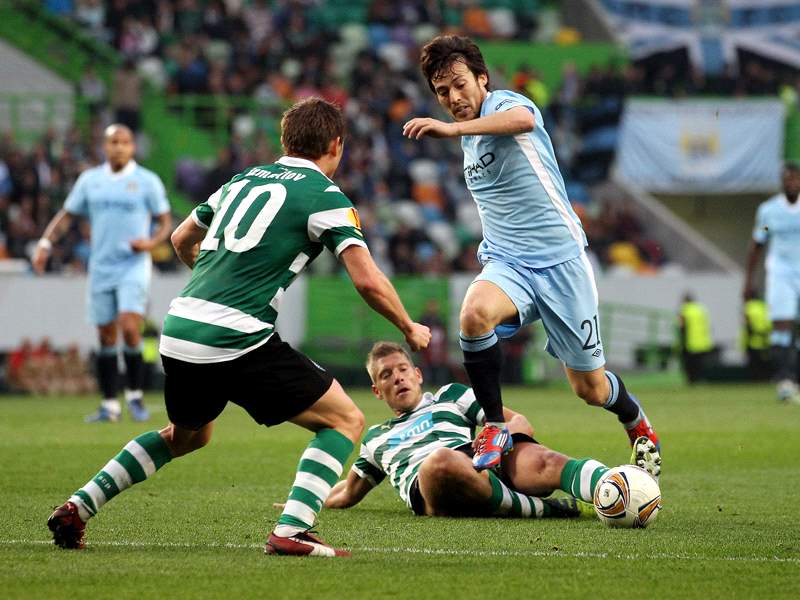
<point x="580" y="476"/>
<point x="505" y="502"/>
<point x="783" y="355"/>
<point x="138" y="460"/>
<point x="108" y="378"/>
<point x="134" y="372"/>
<point x="483" y="361"/>
<point x="619" y="401"/>
<point x="320" y="467"/>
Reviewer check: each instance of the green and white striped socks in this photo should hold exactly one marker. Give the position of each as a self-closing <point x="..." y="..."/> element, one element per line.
<point x="505" y="502"/>
<point x="580" y="477"/>
<point x="320" y="467"/>
<point x="138" y="460"/>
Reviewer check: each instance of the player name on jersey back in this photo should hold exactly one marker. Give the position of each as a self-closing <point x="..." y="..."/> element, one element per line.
<point x="264" y="227"/>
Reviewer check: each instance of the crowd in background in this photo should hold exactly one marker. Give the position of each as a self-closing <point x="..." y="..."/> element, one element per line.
<point x="42" y="370"/>
<point x="414" y="206"/>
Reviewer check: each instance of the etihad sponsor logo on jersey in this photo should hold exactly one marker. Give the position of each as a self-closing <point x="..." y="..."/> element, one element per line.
<point x="417" y="428"/>
<point x="290" y="175"/>
<point x="476" y="168"/>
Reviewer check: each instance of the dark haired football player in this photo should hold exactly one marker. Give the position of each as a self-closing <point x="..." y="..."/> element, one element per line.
<point x="246" y="244"/>
<point x="778" y="225"/>
<point x="534" y="263"/>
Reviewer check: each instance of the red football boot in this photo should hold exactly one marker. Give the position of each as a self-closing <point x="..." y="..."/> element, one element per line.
<point x="301" y="544"/>
<point x="643" y="429"/>
<point x="67" y="527"/>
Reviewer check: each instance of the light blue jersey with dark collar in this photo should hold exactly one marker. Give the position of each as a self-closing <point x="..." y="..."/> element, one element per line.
<point x="120" y="207"/>
<point x="514" y="179"/>
<point x="778" y="223"/>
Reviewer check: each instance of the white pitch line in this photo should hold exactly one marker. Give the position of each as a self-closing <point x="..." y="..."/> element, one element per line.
<point x="437" y="551"/>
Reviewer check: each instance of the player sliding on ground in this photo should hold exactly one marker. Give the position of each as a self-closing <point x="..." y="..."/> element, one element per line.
<point x="245" y="245"/>
<point x="534" y="263"/>
<point x="426" y="451"/>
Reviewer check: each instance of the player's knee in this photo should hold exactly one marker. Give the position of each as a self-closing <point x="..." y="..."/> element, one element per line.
<point x="131" y="336"/>
<point x="475" y="319"/>
<point x="595" y="395"/>
<point x="350" y="423"/>
<point x="182" y="444"/>
<point x="441" y="465"/>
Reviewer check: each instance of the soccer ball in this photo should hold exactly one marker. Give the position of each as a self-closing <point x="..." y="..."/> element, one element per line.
<point x="627" y="496"/>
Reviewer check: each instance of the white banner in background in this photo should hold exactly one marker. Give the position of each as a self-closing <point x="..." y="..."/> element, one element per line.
<point x="702" y="146"/>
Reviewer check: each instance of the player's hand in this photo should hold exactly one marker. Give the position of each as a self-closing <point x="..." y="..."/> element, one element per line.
<point x="142" y="245"/>
<point x="418" y="337"/>
<point x="39" y="260"/>
<point x="280" y="505"/>
<point x="417" y="128"/>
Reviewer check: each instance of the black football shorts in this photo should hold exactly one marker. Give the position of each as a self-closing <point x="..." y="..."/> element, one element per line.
<point x="273" y="383"/>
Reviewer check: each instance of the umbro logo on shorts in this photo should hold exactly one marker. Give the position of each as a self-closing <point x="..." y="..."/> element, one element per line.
<point x="597" y="353"/>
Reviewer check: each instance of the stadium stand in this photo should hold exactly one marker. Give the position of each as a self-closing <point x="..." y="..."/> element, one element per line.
<point x="230" y="67"/>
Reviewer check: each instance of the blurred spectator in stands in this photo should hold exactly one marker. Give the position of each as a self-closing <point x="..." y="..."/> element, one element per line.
<point x="467" y="259"/>
<point x="435" y="360"/>
<point x="403" y="249"/>
<point x="756" y="329"/>
<point x="92" y="90"/>
<point x="17" y="359"/>
<point x="221" y="173"/>
<point x="75" y="373"/>
<point x="528" y="81"/>
<point x="694" y="338"/>
<point x="126" y="96"/>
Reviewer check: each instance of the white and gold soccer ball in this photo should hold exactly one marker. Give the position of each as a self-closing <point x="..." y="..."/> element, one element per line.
<point x="627" y="496"/>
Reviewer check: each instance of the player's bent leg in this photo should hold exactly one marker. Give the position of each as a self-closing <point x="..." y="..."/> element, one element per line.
<point x="600" y="387"/>
<point x="182" y="441"/>
<point x="138" y="460"/>
<point x="338" y="424"/>
<point x="486" y="306"/>
<point x="334" y="410"/>
<point x="450" y="485"/>
<point x="131" y="325"/>
<point x="533" y="469"/>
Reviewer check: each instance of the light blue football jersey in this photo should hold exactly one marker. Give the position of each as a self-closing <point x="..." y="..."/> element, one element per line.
<point x="119" y="207"/>
<point x="525" y="213"/>
<point x="778" y="223"/>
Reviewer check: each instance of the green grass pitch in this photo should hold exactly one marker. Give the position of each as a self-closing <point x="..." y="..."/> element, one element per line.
<point x="729" y="528"/>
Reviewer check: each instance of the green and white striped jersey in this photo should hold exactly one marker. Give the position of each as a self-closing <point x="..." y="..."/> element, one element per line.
<point x="264" y="226"/>
<point x="398" y="446"/>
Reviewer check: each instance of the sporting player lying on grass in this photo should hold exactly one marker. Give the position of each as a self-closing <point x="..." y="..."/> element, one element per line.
<point x="426" y="450"/>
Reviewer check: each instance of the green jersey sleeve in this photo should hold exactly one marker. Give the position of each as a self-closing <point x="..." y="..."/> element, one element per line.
<point x="203" y="213"/>
<point x="366" y="467"/>
<point x="335" y="222"/>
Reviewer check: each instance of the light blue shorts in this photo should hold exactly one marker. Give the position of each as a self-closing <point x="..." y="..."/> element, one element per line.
<point x="564" y="297"/>
<point x="129" y="296"/>
<point x="783" y="295"/>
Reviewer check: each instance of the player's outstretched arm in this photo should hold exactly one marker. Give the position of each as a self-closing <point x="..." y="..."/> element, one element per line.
<point x="52" y="233"/>
<point x="348" y="492"/>
<point x="163" y="227"/>
<point x="186" y="239"/>
<point x="379" y="293"/>
<point x="511" y="122"/>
